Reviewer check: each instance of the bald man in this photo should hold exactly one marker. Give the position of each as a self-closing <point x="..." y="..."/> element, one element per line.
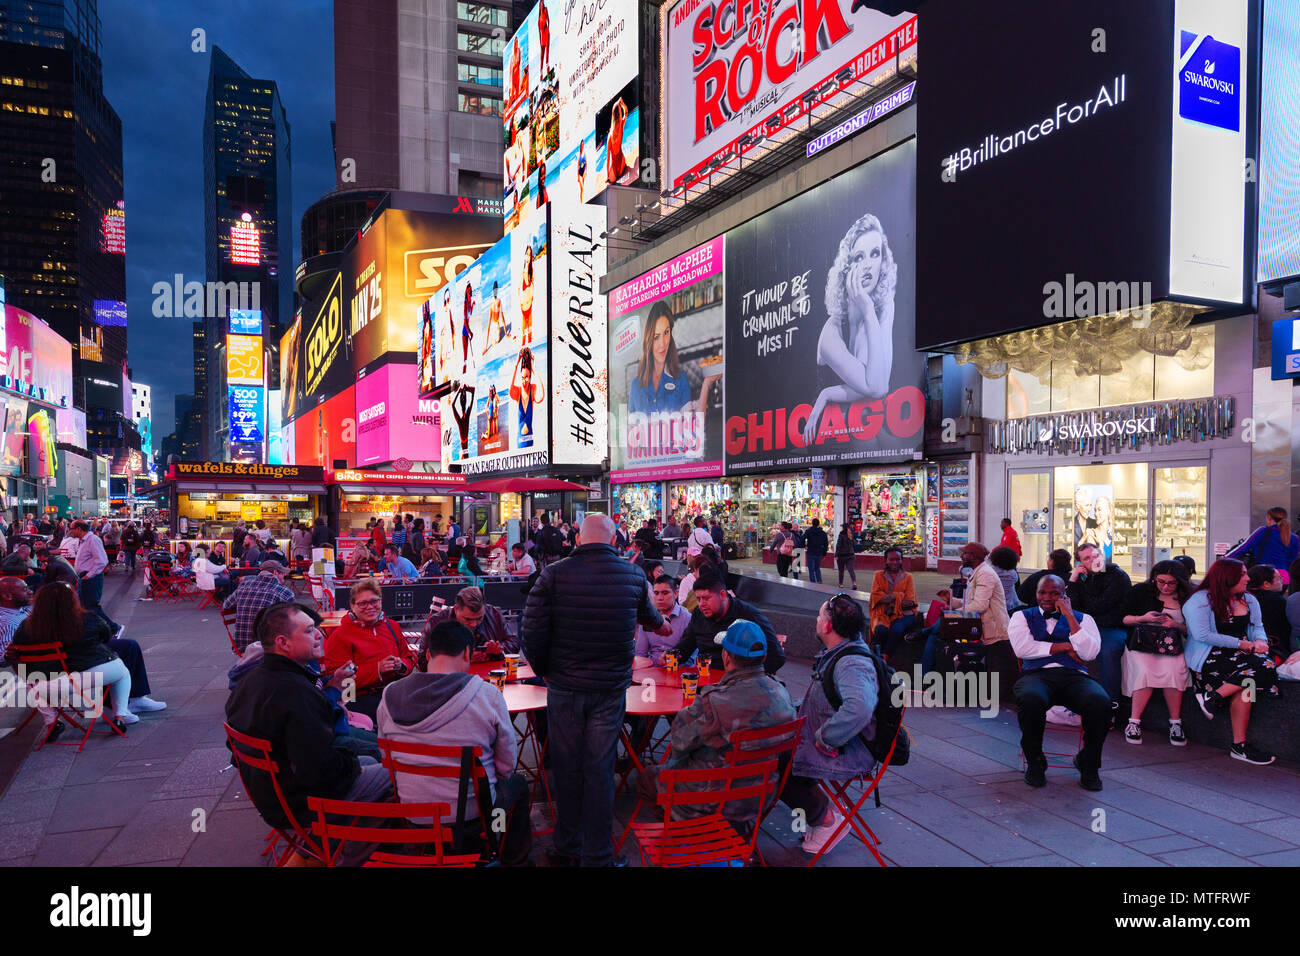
<point x="579" y="632"/>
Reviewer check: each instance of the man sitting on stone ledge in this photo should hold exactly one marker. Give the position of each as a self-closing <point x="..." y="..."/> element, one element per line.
<point x="1054" y="641"/>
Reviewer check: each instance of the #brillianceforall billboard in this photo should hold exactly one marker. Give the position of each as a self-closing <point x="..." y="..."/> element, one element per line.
<point x="734" y="67"/>
<point x="666" y="355"/>
<point x="821" y="324"/>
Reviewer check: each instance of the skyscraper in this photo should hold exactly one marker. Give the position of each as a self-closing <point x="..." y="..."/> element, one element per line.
<point x="62" y="222"/>
<point x="248" y="225"/>
<point x="420" y="109"/>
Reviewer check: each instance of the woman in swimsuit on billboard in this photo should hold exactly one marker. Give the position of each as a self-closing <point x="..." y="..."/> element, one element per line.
<point x="466" y="333"/>
<point x="426" y="348"/>
<point x="526" y="298"/>
<point x="527" y="394"/>
<point x="582" y="168"/>
<point x="857" y="341"/>
<point x="494" y="420"/>
<point x="615" y="161"/>
<point x="544" y="38"/>
<point x="461" y="405"/>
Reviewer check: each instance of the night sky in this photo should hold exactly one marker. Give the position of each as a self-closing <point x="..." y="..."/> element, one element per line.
<point x="157" y="85"/>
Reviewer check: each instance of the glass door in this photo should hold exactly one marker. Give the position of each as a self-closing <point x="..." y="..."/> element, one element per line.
<point x="1181" y="512"/>
<point x="1105" y="505"/>
<point x="1030" y="511"/>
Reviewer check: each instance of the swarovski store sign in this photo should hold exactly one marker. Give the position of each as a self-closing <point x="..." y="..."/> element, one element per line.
<point x="1111" y="430"/>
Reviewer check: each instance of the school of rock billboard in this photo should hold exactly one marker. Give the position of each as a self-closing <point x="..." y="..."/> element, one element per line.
<point x="737" y="72"/>
<point x="821" y="324"/>
<point x="571" y="112"/>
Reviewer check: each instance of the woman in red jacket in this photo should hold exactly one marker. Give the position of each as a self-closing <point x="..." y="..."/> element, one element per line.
<point x="1009" y="538"/>
<point x="377" y="536"/>
<point x="373" y="642"/>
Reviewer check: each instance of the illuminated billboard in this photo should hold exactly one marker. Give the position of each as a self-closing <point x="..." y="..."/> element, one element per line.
<point x="247" y="414"/>
<point x="244" y="360"/>
<point x="737" y="74"/>
<point x="387" y="408"/>
<point x="110" y="312"/>
<point x="35" y="361"/>
<point x="112" y="238"/>
<point x="91" y="343"/>
<point x="44" y="461"/>
<point x="571" y="114"/>
<point x="245" y="242"/>
<point x="244" y="321"/>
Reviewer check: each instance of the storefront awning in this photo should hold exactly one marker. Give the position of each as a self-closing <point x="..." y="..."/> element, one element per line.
<point x="263" y="488"/>
<point x="387" y="490"/>
<point x="518" y="485"/>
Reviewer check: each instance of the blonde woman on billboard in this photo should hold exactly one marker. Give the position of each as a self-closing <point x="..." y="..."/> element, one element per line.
<point x="857" y="341"/>
<point x="526" y="299"/>
<point x="1102" y="531"/>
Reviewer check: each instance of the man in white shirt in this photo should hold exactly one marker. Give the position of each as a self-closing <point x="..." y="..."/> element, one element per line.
<point x="521" y="565"/>
<point x="699" y="538"/>
<point x="90" y="563"/>
<point x="1054" y="641"/>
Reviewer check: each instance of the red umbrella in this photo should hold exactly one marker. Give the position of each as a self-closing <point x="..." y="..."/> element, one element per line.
<point x="518" y="485"/>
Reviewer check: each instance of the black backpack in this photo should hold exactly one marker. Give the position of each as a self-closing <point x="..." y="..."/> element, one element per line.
<point x="889" y="718"/>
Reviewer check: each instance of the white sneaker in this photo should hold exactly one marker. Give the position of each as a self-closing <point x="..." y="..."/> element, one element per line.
<point x="128" y="718"/>
<point x="817" y="837"/>
<point x="143" y="705"/>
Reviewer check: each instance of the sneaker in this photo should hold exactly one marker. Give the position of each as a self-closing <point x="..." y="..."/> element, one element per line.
<point x="1176" y="736"/>
<point x="819" y="837"/>
<point x="1251" y="754"/>
<point x="1209" y="702"/>
<point x="143" y="705"/>
<point x="56" y="731"/>
<point x="1036" y="772"/>
<point x="1133" y="732"/>
<point x="618" y="862"/>
<point x="1088" y="779"/>
<point x="127" y="718"/>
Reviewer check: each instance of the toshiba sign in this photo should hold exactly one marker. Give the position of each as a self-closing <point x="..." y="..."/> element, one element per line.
<point x="737" y="71"/>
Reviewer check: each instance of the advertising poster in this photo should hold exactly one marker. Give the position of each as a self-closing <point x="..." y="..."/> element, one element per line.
<point x="328" y="433"/>
<point x="243" y="360"/>
<point x="15" y="437"/>
<point x="821" y="324"/>
<point x="1094" y="517"/>
<point x="44" y="462"/>
<point x="571" y="114"/>
<point x="34" y="359"/>
<point x="666" y="365"/>
<point x="730" y="67"/>
<point x="291" y="370"/>
<point x="580" y="337"/>
<point x="394" y="268"/>
<point x="494" y="357"/>
<point x="326" y="346"/>
<point x="247" y="420"/>
<point x="387" y="410"/>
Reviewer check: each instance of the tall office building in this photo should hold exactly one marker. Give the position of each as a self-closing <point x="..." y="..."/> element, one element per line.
<point x="142" y="412"/>
<point x="419" y="108"/>
<point x="248" y="226"/>
<point x="62" y="221"/>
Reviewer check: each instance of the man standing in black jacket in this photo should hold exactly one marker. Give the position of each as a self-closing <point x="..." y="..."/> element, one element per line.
<point x="579" y="632"/>
<point x="1100" y="590"/>
<point x="278" y="701"/>
<point x="716" y="612"/>
<point x="815" y="546"/>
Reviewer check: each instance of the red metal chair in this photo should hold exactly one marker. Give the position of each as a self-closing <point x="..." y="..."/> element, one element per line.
<point x="454" y="763"/>
<point x="209" y="599"/>
<point x="254" y="753"/>
<point x="316" y="585"/>
<point x="766" y="743"/>
<point x="157" y="585"/>
<point x="434" y="838"/>
<point x="82" y="701"/>
<point x="711" y="838"/>
<point x="837" y="791"/>
<point x="228" y="618"/>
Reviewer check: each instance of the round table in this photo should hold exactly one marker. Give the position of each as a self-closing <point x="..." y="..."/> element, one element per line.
<point x="483" y="669"/>
<point x="664" y="678"/>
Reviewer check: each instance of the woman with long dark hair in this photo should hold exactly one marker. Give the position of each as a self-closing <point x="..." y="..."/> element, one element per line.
<point x="58" y="618"/>
<point x="661" y="384"/>
<point x="1227" y="651"/>
<point x="1267" y="588"/>
<point x="1153" y="658"/>
<point x="1273" y="542"/>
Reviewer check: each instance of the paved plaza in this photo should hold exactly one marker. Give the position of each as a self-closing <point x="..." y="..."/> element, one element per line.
<point x="166" y="796"/>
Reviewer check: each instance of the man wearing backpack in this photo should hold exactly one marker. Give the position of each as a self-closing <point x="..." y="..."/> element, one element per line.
<point x="835" y="740"/>
<point x="550" y="542"/>
<point x="783" y="546"/>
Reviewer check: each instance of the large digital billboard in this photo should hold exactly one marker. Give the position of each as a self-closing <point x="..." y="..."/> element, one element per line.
<point x="326" y="356"/>
<point x="245" y="242"/>
<point x="35" y="360"/>
<point x="579" y="337"/>
<point x="328" y="432"/>
<point x="247" y="414"/>
<point x="110" y="312"/>
<point x="665" y="359"/>
<point x="494" y="355"/>
<point x="244" y="360"/>
<point x="821" y="325"/>
<point x="571" y="113"/>
<point x="44" y="460"/>
<point x="387" y="408"/>
<point x="395" y="265"/>
<point x="736" y="70"/>
<point x="291" y="384"/>
<point x="1279" y="153"/>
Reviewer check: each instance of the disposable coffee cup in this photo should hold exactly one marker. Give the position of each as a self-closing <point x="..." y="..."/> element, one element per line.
<point x="512" y="667"/>
<point x="690" y="681"/>
<point x="498" y="677"/>
<point x="670" y="661"/>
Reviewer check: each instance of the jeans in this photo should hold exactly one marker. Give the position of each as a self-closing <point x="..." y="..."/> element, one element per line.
<point x="888" y="638"/>
<point x="91" y="590"/>
<point x="130" y="561"/>
<point x="802" y="793"/>
<point x="129" y="651"/>
<point x="363" y="743"/>
<point x="815" y="568"/>
<point x="1113" y="640"/>
<point x="117" y="679"/>
<point x="1045" y="687"/>
<point x="933" y="646"/>
<point x="584" y="731"/>
<point x="846" y="564"/>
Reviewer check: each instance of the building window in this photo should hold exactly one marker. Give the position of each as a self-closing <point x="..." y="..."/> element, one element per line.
<point x="482" y="13"/>
<point x="483" y="75"/>
<point x="480" y="43"/>
<point x="477" y="185"/>
<point x="473" y="103"/>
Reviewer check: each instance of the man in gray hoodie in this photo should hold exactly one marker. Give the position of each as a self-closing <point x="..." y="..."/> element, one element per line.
<point x="443" y="704"/>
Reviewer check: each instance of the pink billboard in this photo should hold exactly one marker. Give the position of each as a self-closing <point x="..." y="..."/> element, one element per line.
<point x="35" y="361"/>
<point x="387" y="408"/>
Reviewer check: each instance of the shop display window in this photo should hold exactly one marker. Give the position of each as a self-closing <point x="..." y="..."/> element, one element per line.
<point x="954" y="508"/>
<point x="892" y="511"/>
<point x="713" y="499"/>
<point x="639" y="502"/>
<point x="1105" y="505"/>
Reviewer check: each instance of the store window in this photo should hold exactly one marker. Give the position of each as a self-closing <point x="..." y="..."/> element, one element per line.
<point x="718" y="499"/>
<point x="638" y="502"/>
<point x="1181" y="515"/>
<point x="1106" y="505"/>
<point x="887" y="510"/>
<point x="1143" y="377"/>
<point x="768" y="500"/>
<point x="474" y="103"/>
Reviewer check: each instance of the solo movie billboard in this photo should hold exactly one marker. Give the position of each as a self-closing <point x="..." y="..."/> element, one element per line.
<point x="396" y="265"/>
<point x="821" y="324"/>
<point x="571" y="115"/>
<point x="666" y="357"/>
<point x="735" y="68"/>
<point x="492" y="336"/>
<point x="328" y="433"/>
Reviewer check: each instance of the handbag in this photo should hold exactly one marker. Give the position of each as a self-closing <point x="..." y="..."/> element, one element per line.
<point x="1155" y="639"/>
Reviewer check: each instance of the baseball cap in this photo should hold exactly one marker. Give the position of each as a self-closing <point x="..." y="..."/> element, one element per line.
<point x="743" y="639"/>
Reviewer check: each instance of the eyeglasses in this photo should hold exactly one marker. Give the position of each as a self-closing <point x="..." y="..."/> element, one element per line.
<point x="375" y="603"/>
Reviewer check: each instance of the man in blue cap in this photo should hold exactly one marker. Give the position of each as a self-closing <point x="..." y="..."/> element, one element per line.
<point x="746" y="698"/>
